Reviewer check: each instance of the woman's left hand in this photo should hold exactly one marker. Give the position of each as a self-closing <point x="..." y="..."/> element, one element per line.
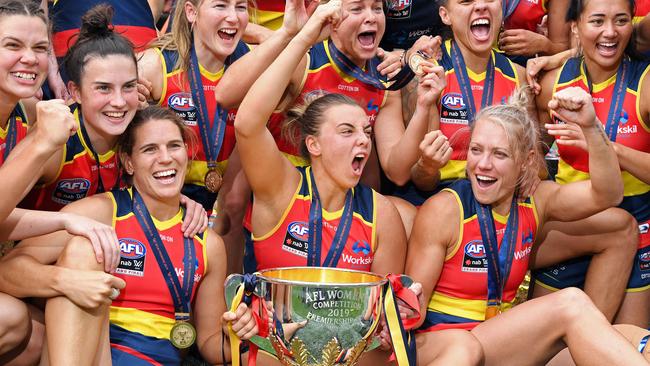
<point x="196" y="218"/>
<point x="391" y="62"/>
<point x="102" y="237"/>
<point x="242" y="321"/>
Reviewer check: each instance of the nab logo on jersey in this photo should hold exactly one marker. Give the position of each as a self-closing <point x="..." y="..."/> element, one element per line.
<point x="75" y="185"/>
<point x="475" y="249"/>
<point x="453" y="101"/>
<point x="299" y="230"/>
<point x="181" y="102"/>
<point x="131" y="248"/>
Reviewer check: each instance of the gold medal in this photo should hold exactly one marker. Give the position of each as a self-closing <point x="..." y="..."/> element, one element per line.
<point x="182" y="335"/>
<point x="415" y="62"/>
<point x="491" y="311"/>
<point x="213" y="180"/>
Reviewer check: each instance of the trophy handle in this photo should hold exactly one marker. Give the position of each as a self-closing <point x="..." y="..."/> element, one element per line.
<point x="231" y="285"/>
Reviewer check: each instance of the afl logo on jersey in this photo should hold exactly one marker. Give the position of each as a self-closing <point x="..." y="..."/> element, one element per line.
<point x="299" y="230"/>
<point x="453" y="101"/>
<point x="475" y="249"/>
<point x="181" y="102"/>
<point x="644" y="257"/>
<point x="132" y="249"/>
<point x="398" y="8"/>
<point x="73" y="186"/>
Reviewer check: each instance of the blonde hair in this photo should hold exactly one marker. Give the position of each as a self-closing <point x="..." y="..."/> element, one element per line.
<point x="521" y="130"/>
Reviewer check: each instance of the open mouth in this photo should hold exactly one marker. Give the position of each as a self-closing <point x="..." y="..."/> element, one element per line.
<point x="367" y="39"/>
<point x="24" y="75"/>
<point x="484" y="181"/>
<point x="480" y="29"/>
<point x="607" y="48"/>
<point x="165" y="176"/>
<point x="227" y="34"/>
<point x="357" y="163"/>
<point x="115" y="115"/>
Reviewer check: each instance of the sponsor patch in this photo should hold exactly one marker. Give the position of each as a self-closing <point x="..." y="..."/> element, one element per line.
<point x="70" y="190"/>
<point x="295" y="240"/>
<point x="453" y="109"/>
<point x="132" y="256"/>
<point x="398" y="9"/>
<point x="474" y="257"/>
<point x="183" y="105"/>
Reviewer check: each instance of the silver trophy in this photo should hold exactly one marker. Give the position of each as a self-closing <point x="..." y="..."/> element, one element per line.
<point x="317" y="316"/>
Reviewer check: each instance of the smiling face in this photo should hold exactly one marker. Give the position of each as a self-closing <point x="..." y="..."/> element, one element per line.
<point x="24" y="45"/>
<point x="108" y="94"/>
<point x="343" y="144"/>
<point x="492" y="166"/>
<point x="358" y="35"/>
<point x="218" y="24"/>
<point x="604" y="29"/>
<point x="475" y="23"/>
<point x="158" y="160"/>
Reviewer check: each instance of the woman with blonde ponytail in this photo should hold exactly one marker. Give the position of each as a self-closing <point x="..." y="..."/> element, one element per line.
<point x="470" y="245"/>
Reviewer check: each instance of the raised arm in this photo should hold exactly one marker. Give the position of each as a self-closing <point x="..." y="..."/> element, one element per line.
<point x="397" y="146"/>
<point x="22" y="170"/>
<point x="605" y="188"/>
<point x="235" y="83"/>
<point x="271" y="176"/>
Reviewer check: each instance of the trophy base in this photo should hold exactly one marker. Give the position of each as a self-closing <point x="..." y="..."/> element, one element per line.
<point x="330" y="356"/>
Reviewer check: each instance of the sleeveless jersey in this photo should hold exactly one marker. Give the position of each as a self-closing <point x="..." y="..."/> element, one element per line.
<point x="633" y="131"/>
<point x="21" y="130"/>
<point x="177" y="96"/>
<point x="145" y="305"/>
<point x="406" y="21"/>
<point x="268" y="13"/>
<point x="324" y="77"/>
<point x="527" y="15"/>
<point x="459" y="298"/>
<point x="77" y="176"/>
<point x="286" y="244"/>
<point x="453" y="111"/>
<point x="133" y="19"/>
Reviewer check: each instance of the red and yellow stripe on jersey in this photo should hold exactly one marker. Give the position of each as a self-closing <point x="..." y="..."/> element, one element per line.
<point x="77" y="176"/>
<point x="133" y="19"/>
<point x="268" y="13"/>
<point x="324" y="77"/>
<point x="453" y="112"/>
<point x="145" y="306"/>
<point x="527" y="15"/>
<point x="633" y="131"/>
<point x="286" y="244"/>
<point x="642" y="9"/>
<point x="21" y="130"/>
<point x="459" y="299"/>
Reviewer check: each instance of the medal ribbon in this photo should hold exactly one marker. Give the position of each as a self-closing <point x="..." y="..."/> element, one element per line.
<point x="84" y="134"/>
<point x="209" y="133"/>
<point x="246" y="294"/>
<point x="466" y="86"/>
<point x="620" y="87"/>
<point x="12" y="134"/>
<point x="372" y="77"/>
<point x="499" y="258"/>
<point x="508" y="7"/>
<point x="404" y="347"/>
<point x="316" y="229"/>
<point x="181" y="295"/>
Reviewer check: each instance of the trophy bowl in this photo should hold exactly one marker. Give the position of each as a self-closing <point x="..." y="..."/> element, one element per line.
<point x="317" y="316"/>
